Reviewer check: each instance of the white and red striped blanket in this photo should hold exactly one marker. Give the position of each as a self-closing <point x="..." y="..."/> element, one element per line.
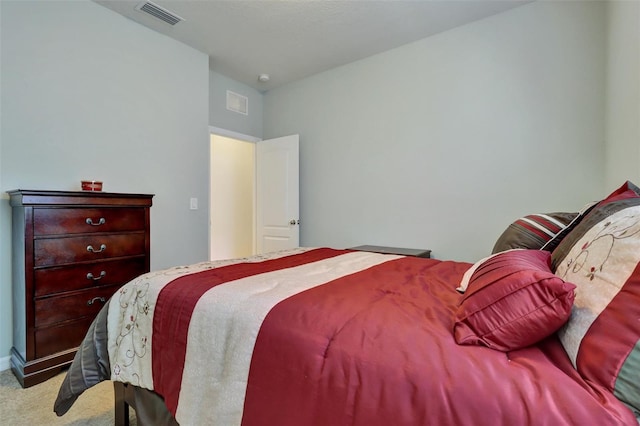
<point x="332" y="337"/>
<point x="188" y="333"/>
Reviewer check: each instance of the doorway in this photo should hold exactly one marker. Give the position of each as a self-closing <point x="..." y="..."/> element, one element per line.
<point x="254" y="194"/>
<point x="232" y="196"/>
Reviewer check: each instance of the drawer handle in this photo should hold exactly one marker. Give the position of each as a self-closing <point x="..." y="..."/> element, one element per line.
<point x="102" y="221"/>
<point x="96" y="299"/>
<point x="90" y="276"/>
<point x="103" y="247"/>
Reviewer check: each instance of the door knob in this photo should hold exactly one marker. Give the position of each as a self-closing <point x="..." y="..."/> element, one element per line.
<point x="294" y="222"/>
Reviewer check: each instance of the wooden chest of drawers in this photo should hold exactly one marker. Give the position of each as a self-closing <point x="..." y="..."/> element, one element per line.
<point x="71" y="252"/>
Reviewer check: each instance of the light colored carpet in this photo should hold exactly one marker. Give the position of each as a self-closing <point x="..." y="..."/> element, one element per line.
<point x="34" y="406"/>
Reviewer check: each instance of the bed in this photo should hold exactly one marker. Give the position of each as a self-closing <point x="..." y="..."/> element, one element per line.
<point x="545" y="330"/>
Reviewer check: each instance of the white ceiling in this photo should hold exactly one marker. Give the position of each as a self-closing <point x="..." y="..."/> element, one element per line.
<point x="290" y="40"/>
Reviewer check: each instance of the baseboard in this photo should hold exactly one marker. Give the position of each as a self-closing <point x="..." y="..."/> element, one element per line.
<point x="5" y="363"/>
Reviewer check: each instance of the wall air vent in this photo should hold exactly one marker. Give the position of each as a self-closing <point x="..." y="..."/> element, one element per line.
<point x="159" y="12"/>
<point x="237" y="103"/>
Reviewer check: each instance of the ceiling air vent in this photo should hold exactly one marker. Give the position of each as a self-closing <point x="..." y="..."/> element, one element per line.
<point x="159" y="12"/>
<point x="237" y="103"/>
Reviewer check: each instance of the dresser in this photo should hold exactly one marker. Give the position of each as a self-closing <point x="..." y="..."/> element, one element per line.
<point x="71" y="252"/>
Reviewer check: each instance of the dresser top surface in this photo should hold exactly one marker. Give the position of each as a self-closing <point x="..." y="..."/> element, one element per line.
<point x="27" y="197"/>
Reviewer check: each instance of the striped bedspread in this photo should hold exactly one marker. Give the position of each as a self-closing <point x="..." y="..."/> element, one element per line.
<point x="333" y="337"/>
<point x="189" y="332"/>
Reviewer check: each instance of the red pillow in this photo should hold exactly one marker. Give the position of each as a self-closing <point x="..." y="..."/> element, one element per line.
<point x="627" y="190"/>
<point x="513" y="300"/>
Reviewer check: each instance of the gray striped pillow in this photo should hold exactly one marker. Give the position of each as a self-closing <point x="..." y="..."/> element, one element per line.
<point x="535" y="231"/>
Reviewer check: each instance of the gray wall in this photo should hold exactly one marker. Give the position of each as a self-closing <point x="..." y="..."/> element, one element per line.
<point x="623" y="92"/>
<point x="221" y="117"/>
<point x="87" y="93"/>
<point x="441" y="143"/>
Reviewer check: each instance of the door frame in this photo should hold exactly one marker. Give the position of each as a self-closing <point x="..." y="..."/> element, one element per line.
<point x="231" y="134"/>
<point x="217" y="131"/>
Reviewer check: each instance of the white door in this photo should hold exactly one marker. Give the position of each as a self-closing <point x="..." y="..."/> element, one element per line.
<point x="277" y="194"/>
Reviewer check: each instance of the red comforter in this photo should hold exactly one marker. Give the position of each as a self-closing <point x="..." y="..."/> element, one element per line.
<point x="348" y="339"/>
<point x="376" y="348"/>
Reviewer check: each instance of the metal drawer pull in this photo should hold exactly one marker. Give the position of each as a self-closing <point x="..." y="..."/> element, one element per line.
<point x="96" y="299"/>
<point x="90" y="248"/>
<point x="91" y="277"/>
<point x="102" y="221"/>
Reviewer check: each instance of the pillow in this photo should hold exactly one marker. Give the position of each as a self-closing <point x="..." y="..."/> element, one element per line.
<point x="614" y="202"/>
<point x="602" y="257"/>
<point x="464" y="283"/>
<point x="513" y="300"/>
<point x="534" y="231"/>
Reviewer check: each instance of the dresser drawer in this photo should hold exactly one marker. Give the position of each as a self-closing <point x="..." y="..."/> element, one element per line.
<point x="59" y="251"/>
<point x="57" y="221"/>
<point x="50" y="340"/>
<point x="86" y="303"/>
<point x="77" y="277"/>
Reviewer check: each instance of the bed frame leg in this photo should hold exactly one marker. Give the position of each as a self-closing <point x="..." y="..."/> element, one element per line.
<point x="121" y="406"/>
